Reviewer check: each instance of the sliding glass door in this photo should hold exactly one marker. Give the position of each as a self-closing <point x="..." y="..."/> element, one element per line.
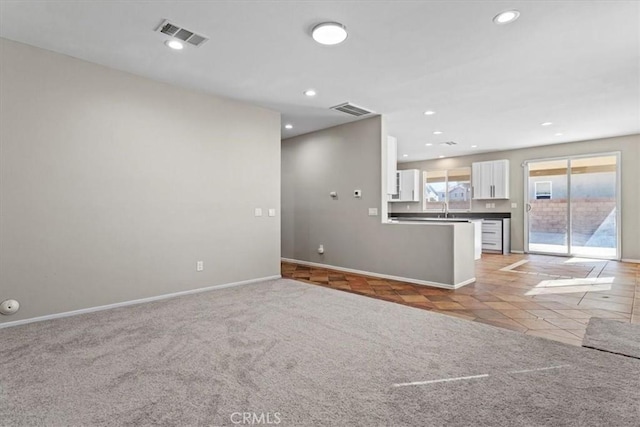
<point x="594" y="206"/>
<point x="572" y="206"/>
<point x="548" y="207"/>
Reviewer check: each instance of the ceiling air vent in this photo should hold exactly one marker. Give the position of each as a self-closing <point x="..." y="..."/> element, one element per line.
<point x="351" y="109"/>
<point x="180" y="33"/>
<point x="449" y="143"/>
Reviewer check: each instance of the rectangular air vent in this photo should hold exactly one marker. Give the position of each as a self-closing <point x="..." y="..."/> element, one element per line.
<point x="180" y="33"/>
<point x="351" y="109"/>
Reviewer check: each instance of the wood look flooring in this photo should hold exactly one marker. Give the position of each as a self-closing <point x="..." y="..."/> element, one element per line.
<point x="547" y="296"/>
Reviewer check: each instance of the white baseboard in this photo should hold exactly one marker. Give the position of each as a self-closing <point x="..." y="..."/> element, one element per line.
<point x="464" y="283"/>
<point x="513" y="251"/>
<point x="133" y="302"/>
<point x="384" y="276"/>
<point x="635" y="261"/>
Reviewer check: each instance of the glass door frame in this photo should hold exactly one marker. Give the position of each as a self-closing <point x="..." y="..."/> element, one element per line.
<point x="526" y="210"/>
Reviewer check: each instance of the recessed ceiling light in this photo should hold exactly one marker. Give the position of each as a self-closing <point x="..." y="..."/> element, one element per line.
<point x="405" y="155"/>
<point x="429" y="113"/>
<point x="506" y="17"/>
<point x="428" y="144"/>
<point x="174" y="44"/>
<point x="288" y="126"/>
<point x="474" y="146"/>
<point x="546" y="124"/>
<point x="329" y="33"/>
<point x="559" y="134"/>
<point x="437" y="132"/>
<point x="310" y="92"/>
<point x="441" y="157"/>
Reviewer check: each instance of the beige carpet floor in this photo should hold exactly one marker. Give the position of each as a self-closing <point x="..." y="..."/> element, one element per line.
<point x="613" y="336"/>
<point x="302" y="355"/>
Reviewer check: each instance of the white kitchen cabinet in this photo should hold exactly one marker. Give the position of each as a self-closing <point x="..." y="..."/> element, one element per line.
<point x="392" y="165"/>
<point x="496" y="235"/>
<point x="477" y="238"/>
<point x="490" y="180"/>
<point x="407" y="185"/>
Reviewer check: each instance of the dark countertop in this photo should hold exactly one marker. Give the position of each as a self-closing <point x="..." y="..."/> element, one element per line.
<point x="432" y="220"/>
<point x="452" y="215"/>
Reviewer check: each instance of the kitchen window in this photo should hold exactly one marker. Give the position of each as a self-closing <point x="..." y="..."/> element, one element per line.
<point x="450" y="187"/>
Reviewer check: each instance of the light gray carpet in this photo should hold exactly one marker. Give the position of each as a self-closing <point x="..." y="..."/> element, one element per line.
<point x="613" y="336"/>
<point x="315" y="356"/>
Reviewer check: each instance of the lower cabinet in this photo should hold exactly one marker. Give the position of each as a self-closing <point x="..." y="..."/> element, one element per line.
<point x="496" y="235"/>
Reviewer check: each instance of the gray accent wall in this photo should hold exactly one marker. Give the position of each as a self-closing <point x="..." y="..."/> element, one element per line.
<point x="628" y="146"/>
<point x="347" y="158"/>
<point x="112" y="186"/>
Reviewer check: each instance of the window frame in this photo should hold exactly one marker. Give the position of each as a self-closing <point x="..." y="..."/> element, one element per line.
<point x="447" y="199"/>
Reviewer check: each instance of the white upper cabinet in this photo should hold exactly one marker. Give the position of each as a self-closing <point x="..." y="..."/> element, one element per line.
<point x="407" y="186"/>
<point x="490" y="180"/>
<point x="391" y="166"/>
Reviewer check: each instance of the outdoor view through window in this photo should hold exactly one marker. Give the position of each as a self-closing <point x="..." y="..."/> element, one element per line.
<point x="452" y="187"/>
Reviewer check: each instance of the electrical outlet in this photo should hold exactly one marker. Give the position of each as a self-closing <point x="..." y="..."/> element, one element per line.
<point x="373" y="211"/>
<point x="514" y="205"/>
<point x="488" y="206"/>
<point x="272" y="212"/>
<point x="258" y="212"/>
<point x="357" y="194"/>
<point x="200" y="266"/>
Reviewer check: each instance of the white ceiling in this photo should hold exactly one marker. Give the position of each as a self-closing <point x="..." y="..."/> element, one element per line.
<point x="574" y="63"/>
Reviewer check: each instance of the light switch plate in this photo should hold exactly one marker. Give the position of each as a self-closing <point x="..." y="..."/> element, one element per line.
<point x="258" y="212"/>
<point x="514" y="205"/>
<point x="488" y="205"/>
<point x="373" y="211"/>
<point x="272" y="212"/>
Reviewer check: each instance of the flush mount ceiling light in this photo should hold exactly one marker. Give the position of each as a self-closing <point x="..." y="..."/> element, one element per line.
<point x="288" y="126"/>
<point x="474" y="146"/>
<point x="329" y="33"/>
<point x="546" y="124"/>
<point x="437" y="132"/>
<point x="429" y="113"/>
<point x="310" y="92"/>
<point x="559" y="134"/>
<point x="174" y="44"/>
<point x="441" y="157"/>
<point x="428" y="144"/>
<point x="506" y="17"/>
<point x="405" y="155"/>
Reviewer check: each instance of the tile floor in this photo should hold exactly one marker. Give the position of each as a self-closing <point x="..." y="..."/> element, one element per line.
<point x="546" y="296"/>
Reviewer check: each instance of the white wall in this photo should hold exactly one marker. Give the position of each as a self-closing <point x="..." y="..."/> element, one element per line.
<point x="113" y="186"/>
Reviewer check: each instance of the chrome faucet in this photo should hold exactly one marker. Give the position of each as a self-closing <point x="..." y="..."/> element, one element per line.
<point x="445" y="209"/>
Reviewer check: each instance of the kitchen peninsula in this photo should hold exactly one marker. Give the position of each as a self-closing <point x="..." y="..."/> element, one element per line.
<point x="435" y="253"/>
<point x="477" y="228"/>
